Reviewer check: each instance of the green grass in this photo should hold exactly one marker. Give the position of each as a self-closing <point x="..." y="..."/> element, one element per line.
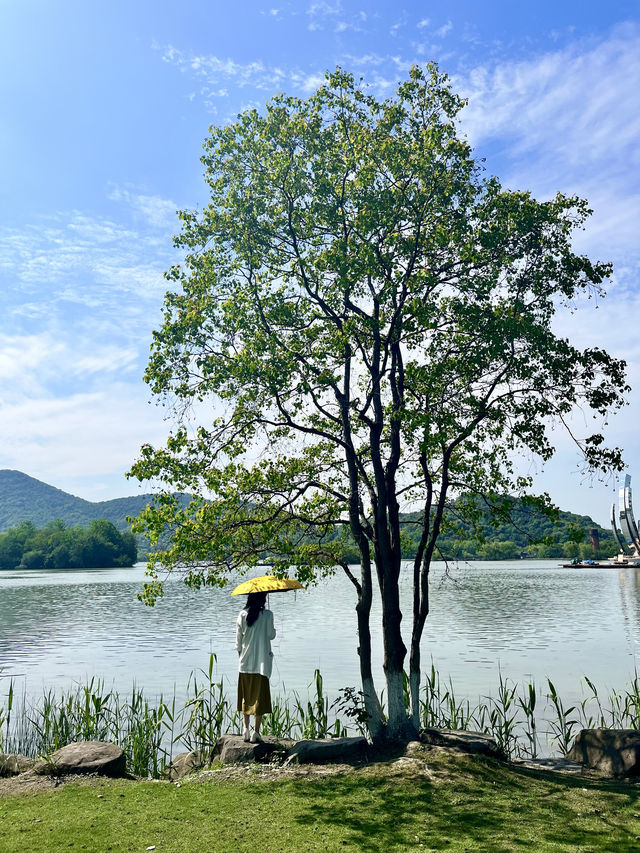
<point x="465" y="804"/>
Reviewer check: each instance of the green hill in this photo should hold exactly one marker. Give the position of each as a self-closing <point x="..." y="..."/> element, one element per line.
<point x="528" y="533"/>
<point x="23" y="498"/>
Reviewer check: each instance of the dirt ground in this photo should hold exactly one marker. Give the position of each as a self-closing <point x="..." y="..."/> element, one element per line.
<point x="31" y="783"/>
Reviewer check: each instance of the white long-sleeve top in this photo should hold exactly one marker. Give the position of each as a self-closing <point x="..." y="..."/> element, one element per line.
<point x="253" y="643"/>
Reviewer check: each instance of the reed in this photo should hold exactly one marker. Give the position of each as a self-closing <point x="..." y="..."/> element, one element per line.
<point x="313" y="720"/>
<point x="563" y="725"/>
<point x="205" y="712"/>
<point x="528" y="744"/>
<point x="516" y="721"/>
<point x="504" y="717"/>
<point x="520" y="718"/>
<point x="441" y="709"/>
<point x="281" y="722"/>
<point x="5" y="717"/>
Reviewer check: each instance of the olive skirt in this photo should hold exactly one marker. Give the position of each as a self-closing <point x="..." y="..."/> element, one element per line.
<point x="254" y="695"/>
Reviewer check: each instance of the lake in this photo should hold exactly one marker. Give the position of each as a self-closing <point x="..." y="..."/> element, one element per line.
<point x="530" y="619"/>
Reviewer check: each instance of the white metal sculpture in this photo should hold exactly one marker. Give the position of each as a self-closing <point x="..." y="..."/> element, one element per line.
<point x="628" y="524"/>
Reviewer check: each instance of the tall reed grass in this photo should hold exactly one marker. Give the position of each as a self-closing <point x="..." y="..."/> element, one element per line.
<point x="522" y="720"/>
<point x="515" y="718"/>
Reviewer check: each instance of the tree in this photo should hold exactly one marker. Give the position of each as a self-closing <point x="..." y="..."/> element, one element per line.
<point x="105" y="546"/>
<point x="57" y="546"/>
<point x="363" y="322"/>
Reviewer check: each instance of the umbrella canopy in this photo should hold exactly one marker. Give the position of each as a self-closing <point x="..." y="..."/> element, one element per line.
<point x="266" y="583"/>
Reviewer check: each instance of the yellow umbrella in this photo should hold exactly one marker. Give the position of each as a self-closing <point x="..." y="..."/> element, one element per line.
<point x="266" y="583"/>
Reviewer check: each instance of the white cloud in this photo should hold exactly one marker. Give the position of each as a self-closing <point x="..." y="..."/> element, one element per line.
<point x="106" y="359"/>
<point x="371" y="60"/>
<point x="71" y="441"/>
<point x="579" y="103"/>
<point x="441" y="32"/>
<point x="568" y="120"/>
<point x="540" y="112"/>
<point x="157" y="212"/>
<point x="33" y="363"/>
<point x="23" y="355"/>
<point x="319" y="12"/>
<point x="211" y="70"/>
<point x="310" y="82"/>
<point x="423" y="23"/>
<point x="80" y="258"/>
<point x="79" y="297"/>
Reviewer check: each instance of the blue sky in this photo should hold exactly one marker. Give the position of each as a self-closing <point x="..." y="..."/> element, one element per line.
<point x="104" y="107"/>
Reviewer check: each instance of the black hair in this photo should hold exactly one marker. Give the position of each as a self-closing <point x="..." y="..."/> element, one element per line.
<point x="255" y="605"/>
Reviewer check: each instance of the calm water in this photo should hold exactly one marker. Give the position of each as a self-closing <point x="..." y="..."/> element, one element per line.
<point x="531" y="619"/>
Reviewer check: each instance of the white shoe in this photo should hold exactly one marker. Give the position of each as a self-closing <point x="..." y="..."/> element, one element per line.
<point x="245" y="735"/>
<point x="255" y="737"/>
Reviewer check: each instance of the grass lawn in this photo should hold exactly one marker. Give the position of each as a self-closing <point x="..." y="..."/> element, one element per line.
<point x="460" y="803"/>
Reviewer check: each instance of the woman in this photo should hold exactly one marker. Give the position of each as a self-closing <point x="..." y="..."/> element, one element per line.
<point x="253" y="641"/>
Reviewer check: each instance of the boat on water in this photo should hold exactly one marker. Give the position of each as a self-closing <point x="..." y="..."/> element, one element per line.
<point x="627" y="536"/>
<point x="598" y="564"/>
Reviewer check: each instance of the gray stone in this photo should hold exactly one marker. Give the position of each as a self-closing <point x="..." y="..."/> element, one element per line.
<point x="472" y="742"/>
<point x="12" y="764"/>
<point x="91" y="756"/>
<point x="345" y="749"/>
<point x="232" y="749"/>
<point x="186" y="763"/>
<point x="612" y="752"/>
<point x="414" y="748"/>
<point x="558" y="765"/>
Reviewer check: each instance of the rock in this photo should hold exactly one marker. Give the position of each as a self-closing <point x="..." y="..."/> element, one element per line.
<point x="472" y="742"/>
<point x="411" y="765"/>
<point x="612" y="752"/>
<point x="232" y="749"/>
<point x="12" y="764"/>
<point x="413" y="748"/>
<point x="186" y="763"/>
<point x="558" y="765"/>
<point x="91" y="756"/>
<point x="329" y="749"/>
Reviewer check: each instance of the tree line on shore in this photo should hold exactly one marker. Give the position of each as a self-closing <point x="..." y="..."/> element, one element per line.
<point x="527" y="533"/>
<point x="56" y="546"/>
<point x="516" y="530"/>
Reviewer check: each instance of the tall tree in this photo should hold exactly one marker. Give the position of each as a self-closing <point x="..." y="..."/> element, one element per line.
<point x="363" y="322"/>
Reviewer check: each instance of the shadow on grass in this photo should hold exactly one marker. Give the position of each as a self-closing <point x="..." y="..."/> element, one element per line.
<point x="474" y="801"/>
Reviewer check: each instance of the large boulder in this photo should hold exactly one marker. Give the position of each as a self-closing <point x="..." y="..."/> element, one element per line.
<point x="232" y="749"/>
<point x="346" y="749"/>
<point x="12" y="764"/>
<point x="473" y="742"/>
<point x="611" y="752"/>
<point x="185" y="763"/>
<point x="91" y="756"/>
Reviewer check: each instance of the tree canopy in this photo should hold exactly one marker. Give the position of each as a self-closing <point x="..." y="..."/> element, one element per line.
<point x="362" y="324"/>
<point x="56" y="546"/>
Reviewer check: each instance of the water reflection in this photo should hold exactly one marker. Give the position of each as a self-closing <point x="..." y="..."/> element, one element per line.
<point x="532" y="619"/>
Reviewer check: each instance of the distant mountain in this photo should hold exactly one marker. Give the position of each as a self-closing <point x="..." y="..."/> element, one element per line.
<point x="23" y="498"/>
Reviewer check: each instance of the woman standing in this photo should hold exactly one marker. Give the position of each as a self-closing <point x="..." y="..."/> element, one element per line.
<point x="254" y="633"/>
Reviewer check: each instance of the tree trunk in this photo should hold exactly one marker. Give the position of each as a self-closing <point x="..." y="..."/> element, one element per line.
<point x="399" y="725"/>
<point x="375" y="721"/>
<point x="414" y="682"/>
<point x="420" y="613"/>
